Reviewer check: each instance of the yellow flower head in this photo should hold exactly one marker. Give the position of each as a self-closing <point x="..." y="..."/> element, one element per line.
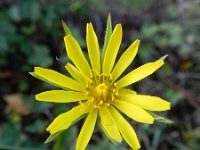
<point x="100" y="90"/>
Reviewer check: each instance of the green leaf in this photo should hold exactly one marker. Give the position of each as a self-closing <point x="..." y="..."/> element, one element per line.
<point x="161" y="119"/>
<point x="40" y="56"/>
<point x="66" y="29"/>
<point x="52" y="137"/>
<point x="14" y="13"/>
<point x="23" y="85"/>
<point x="36" y="127"/>
<point x="28" y="30"/>
<point x="6" y="27"/>
<point x="149" y="30"/>
<point x="172" y="12"/>
<point x="10" y="134"/>
<point x="30" y="9"/>
<point x="174" y="96"/>
<point x="65" y="138"/>
<point x="37" y="107"/>
<point x="107" y="34"/>
<point x="4" y="44"/>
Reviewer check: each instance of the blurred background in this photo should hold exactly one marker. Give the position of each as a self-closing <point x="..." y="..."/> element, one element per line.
<point x="31" y="34"/>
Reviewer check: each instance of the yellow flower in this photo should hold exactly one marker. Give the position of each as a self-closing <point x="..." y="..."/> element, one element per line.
<point x="100" y="91"/>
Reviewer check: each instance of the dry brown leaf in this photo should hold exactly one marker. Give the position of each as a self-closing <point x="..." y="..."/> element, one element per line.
<point x="15" y="103"/>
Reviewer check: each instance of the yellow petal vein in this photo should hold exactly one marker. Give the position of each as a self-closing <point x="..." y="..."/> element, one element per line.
<point x="56" y="78"/>
<point x="134" y="111"/>
<point x="108" y="125"/>
<point x="125" y="129"/>
<point x="147" y="102"/>
<point x="60" y="96"/>
<point x="75" y="73"/>
<point x="86" y="131"/>
<point x="65" y="120"/>
<point x="112" y="49"/>
<point x="93" y="48"/>
<point x="76" y="55"/>
<point x="139" y="73"/>
<point x="126" y="59"/>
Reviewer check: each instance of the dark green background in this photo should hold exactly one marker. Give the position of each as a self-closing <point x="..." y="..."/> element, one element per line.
<point x="31" y="34"/>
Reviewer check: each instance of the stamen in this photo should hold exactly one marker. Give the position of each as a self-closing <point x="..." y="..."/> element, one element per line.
<point x="105" y="77"/>
<point x="114" y="90"/>
<point x="96" y="106"/>
<point x="87" y="93"/>
<point x="108" y="104"/>
<point x="103" y="84"/>
<point x="98" y="76"/>
<point x="112" y="98"/>
<point x="92" y="99"/>
<point x="87" y="87"/>
<point x="115" y="84"/>
<point x="116" y="93"/>
<point x="110" y="77"/>
<point x="101" y="102"/>
<point x="100" y="90"/>
<point x="91" y="75"/>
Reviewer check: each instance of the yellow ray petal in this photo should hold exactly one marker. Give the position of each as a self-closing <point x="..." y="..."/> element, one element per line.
<point x="109" y="126"/>
<point x="86" y="131"/>
<point x="64" y="120"/>
<point x="147" y="102"/>
<point x="123" y="91"/>
<point x="125" y="129"/>
<point x="133" y="111"/>
<point x="56" y="78"/>
<point x="75" y="73"/>
<point x="139" y="73"/>
<point x="126" y="59"/>
<point x="112" y="49"/>
<point x="76" y="55"/>
<point x="93" y="48"/>
<point x="60" y="96"/>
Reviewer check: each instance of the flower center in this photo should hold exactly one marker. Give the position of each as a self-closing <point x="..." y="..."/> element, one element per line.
<point x="101" y="90"/>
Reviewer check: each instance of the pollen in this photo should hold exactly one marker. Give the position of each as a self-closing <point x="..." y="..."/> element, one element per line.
<point x="101" y="90"/>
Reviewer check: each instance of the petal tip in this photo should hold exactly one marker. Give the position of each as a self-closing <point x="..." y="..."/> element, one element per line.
<point x="36" y="68"/>
<point x="151" y="122"/>
<point x="48" y="129"/>
<point x="38" y="97"/>
<point x="31" y="73"/>
<point x="169" y="106"/>
<point x="118" y="141"/>
<point x="137" y="41"/>
<point x="89" y="24"/>
<point x="67" y="37"/>
<point x="164" y="57"/>
<point x="89" y="28"/>
<point x="119" y="26"/>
